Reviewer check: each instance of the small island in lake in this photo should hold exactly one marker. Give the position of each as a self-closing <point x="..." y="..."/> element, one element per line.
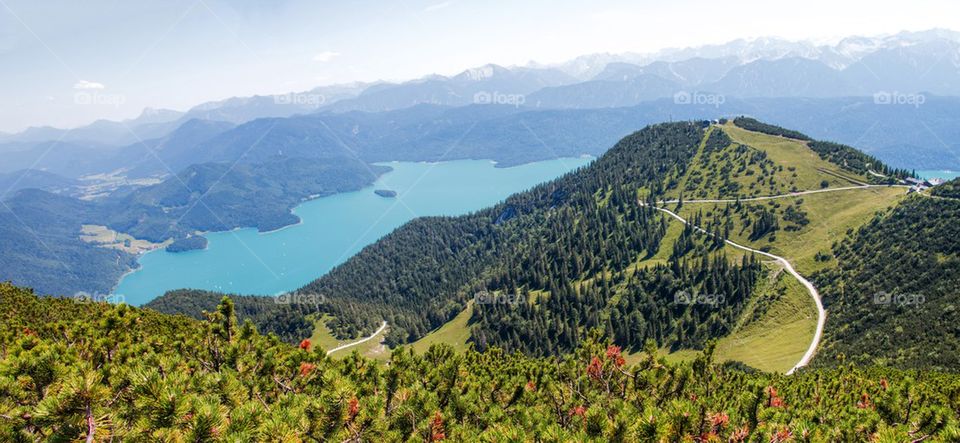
<point x="191" y="243"/>
<point x="385" y="193"/>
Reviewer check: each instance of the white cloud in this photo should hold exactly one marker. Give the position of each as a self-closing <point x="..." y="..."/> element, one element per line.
<point x="438" y="6"/>
<point x="84" y="84"/>
<point x="325" y="56"/>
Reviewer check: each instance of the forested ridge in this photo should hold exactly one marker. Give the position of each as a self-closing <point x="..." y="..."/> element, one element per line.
<point x="580" y="225"/>
<point x="847" y="157"/>
<point x="893" y="295"/>
<point x="73" y="370"/>
<point x="950" y="189"/>
<point x="752" y="124"/>
<point x="565" y="254"/>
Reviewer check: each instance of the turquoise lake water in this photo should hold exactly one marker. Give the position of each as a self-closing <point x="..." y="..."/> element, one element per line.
<point x="332" y="229"/>
<point x="946" y="175"/>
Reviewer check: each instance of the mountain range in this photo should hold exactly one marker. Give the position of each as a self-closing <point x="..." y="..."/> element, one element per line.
<point x="682" y="233"/>
<point x="892" y="96"/>
<point x="908" y="62"/>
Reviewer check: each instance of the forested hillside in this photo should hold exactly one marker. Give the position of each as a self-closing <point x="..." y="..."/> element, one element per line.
<point x="74" y="370"/>
<point x="893" y="295"/>
<point x="40" y="240"/>
<point x="581" y="252"/>
<point x="220" y="196"/>
<point x="950" y="189"/>
<point x="568" y="241"/>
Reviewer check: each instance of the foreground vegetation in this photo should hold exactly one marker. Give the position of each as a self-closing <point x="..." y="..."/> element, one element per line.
<point x="80" y="370"/>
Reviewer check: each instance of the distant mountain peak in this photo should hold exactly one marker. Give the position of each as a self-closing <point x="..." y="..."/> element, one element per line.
<point x="156" y="115"/>
<point x="153" y="112"/>
<point x="481" y="73"/>
<point x="844" y="53"/>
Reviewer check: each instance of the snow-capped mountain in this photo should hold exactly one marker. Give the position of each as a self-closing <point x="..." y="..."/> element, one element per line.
<point x="840" y="55"/>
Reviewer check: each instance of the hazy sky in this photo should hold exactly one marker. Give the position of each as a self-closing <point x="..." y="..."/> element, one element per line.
<point x="177" y="53"/>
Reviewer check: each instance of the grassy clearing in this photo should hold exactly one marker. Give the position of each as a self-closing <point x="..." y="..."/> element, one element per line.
<point x="682" y="180"/>
<point x="105" y="237"/>
<point x="790" y="153"/>
<point x="322" y="336"/>
<point x="776" y="330"/>
<point x="755" y="165"/>
<point x="374" y="348"/>
<point x="674" y="228"/>
<point x="455" y="332"/>
<point x="831" y="214"/>
<point x="773" y="333"/>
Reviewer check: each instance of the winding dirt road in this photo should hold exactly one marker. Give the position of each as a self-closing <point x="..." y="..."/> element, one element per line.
<point x="821" y="313"/>
<point x="362" y="340"/>
<point x="814" y="294"/>
<point x="792" y="194"/>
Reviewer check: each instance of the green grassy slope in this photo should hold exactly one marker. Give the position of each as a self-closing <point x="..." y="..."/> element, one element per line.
<point x="454" y="333"/>
<point x="774" y="332"/>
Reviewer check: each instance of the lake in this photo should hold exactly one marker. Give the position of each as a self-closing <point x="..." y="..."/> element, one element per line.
<point x="332" y="229"/>
<point x="946" y="175"/>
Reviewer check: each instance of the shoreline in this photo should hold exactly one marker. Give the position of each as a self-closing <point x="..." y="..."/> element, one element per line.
<point x="113" y="290"/>
<point x="300" y="221"/>
<point x="496" y="163"/>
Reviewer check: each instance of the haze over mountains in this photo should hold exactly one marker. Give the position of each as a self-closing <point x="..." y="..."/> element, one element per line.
<point x="927" y="61"/>
<point x="898" y="69"/>
<point x="895" y="96"/>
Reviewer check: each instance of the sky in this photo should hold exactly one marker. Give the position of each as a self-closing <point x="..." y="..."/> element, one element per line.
<point x="132" y="54"/>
